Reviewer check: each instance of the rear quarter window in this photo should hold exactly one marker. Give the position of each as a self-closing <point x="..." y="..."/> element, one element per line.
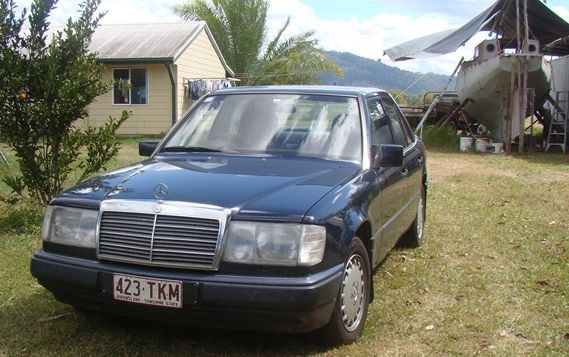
<point x="400" y="127"/>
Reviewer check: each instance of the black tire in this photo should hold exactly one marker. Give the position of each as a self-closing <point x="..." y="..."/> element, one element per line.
<point x="415" y="235"/>
<point x="347" y="321"/>
<point x="452" y="126"/>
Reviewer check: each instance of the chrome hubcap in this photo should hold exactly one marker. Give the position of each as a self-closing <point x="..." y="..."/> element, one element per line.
<point x="353" y="293"/>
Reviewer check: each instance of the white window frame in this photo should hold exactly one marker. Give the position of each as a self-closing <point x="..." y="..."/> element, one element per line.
<point x="130" y="90"/>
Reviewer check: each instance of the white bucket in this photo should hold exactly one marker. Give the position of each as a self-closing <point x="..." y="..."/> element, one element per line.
<point x="497" y="148"/>
<point x="481" y="145"/>
<point x="465" y="143"/>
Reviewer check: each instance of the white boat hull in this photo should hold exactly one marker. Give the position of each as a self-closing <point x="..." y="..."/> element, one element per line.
<point x="487" y="84"/>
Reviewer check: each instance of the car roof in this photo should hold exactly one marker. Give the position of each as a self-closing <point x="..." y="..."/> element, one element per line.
<point x="302" y="89"/>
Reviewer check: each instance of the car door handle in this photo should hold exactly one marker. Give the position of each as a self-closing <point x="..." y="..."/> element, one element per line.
<point x="404" y="172"/>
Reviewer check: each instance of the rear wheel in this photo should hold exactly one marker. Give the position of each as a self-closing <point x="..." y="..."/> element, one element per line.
<point x="350" y="312"/>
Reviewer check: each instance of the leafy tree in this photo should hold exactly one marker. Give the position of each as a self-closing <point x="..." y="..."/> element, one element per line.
<point x="415" y="100"/>
<point x="239" y="28"/>
<point x="399" y="96"/>
<point x="46" y="83"/>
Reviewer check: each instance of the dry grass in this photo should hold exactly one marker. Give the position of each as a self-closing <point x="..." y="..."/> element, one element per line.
<point x="492" y="278"/>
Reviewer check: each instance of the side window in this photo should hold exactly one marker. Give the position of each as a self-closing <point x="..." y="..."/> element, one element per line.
<point x="130" y="86"/>
<point x="399" y="134"/>
<point x="408" y="131"/>
<point x="380" y="129"/>
<point x="121" y="94"/>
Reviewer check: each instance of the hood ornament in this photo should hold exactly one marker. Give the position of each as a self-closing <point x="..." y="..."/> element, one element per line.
<point x="161" y="191"/>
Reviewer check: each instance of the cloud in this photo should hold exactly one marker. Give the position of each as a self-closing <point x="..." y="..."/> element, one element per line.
<point x="364" y="37"/>
<point x="123" y="11"/>
<point x="402" y="21"/>
<point x="383" y="25"/>
<point x="136" y="11"/>
<point x="562" y="11"/>
<point x="458" y="11"/>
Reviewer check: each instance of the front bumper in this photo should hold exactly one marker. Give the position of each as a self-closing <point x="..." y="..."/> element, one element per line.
<point x="281" y="304"/>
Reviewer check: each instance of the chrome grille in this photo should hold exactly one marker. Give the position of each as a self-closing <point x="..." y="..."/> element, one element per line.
<point x="160" y="238"/>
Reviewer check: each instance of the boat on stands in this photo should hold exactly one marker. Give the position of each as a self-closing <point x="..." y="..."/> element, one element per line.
<point x="484" y="83"/>
<point x="489" y="85"/>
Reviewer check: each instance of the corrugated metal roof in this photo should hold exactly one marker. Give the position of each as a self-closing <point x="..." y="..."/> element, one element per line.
<point x="143" y="41"/>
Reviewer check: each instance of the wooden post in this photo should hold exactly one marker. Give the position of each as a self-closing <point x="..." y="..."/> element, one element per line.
<point x="514" y="85"/>
<point x="526" y="29"/>
<point x="510" y="109"/>
<point x="524" y="103"/>
<point x="524" y="75"/>
<point x="518" y="30"/>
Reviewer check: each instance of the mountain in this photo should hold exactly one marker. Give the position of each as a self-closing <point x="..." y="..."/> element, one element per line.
<point x="361" y="71"/>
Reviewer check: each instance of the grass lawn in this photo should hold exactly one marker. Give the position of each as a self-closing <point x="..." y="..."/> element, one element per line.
<point x="492" y="278"/>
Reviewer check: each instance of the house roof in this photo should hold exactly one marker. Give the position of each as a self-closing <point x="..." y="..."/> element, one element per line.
<point x="148" y="43"/>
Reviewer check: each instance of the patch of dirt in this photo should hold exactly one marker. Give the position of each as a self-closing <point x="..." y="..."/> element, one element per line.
<point x="441" y="168"/>
<point x="553" y="176"/>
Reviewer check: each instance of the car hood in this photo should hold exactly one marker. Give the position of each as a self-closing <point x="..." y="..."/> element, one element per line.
<point x="257" y="187"/>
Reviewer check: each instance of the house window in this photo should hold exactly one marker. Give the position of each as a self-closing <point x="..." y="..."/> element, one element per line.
<point x="130" y="86"/>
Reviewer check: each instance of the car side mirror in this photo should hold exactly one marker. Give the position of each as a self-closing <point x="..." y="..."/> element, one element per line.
<point x="388" y="156"/>
<point x="146" y="148"/>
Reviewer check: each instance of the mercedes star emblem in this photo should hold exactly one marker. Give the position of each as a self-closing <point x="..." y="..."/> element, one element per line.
<point x="160" y="191"/>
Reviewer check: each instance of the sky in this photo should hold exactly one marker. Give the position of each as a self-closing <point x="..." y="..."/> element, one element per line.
<point x="363" y="27"/>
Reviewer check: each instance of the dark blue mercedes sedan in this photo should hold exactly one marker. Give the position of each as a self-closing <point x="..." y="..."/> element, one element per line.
<point x="265" y="208"/>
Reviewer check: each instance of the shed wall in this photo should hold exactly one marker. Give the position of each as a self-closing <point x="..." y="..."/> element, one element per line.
<point x="155" y="117"/>
<point x="199" y="60"/>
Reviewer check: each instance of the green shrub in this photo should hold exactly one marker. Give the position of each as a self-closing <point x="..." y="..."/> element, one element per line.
<point x="25" y="219"/>
<point x="441" y="138"/>
<point x="47" y="81"/>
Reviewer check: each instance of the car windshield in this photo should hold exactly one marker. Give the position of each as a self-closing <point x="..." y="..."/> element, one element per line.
<point x="279" y="124"/>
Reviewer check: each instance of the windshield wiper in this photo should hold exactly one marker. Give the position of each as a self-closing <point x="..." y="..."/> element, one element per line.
<point x="188" y="149"/>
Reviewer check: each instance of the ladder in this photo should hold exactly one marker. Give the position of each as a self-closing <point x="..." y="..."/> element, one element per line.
<point x="559" y="123"/>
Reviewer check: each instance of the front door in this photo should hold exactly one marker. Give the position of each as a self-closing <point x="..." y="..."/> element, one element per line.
<point x="413" y="162"/>
<point x="386" y="202"/>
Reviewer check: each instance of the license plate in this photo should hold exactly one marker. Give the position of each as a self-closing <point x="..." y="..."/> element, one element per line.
<point x="139" y="290"/>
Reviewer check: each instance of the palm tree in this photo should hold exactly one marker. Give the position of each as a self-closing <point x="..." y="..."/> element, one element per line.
<point x="239" y="28"/>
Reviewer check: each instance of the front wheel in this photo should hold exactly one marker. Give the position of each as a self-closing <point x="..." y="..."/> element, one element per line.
<point x="350" y="311"/>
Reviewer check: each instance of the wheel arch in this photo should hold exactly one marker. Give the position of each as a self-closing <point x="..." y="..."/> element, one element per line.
<point x="365" y="234"/>
<point x="425" y="184"/>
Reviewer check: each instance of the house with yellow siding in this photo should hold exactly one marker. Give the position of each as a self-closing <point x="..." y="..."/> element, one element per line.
<point x="155" y="64"/>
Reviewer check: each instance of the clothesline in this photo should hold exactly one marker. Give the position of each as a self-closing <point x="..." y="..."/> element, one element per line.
<point x="185" y="79"/>
<point x="197" y="88"/>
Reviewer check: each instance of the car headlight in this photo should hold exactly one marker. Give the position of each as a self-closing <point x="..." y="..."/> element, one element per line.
<point x="275" y="243"/>
<point x="70" y="226"/>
